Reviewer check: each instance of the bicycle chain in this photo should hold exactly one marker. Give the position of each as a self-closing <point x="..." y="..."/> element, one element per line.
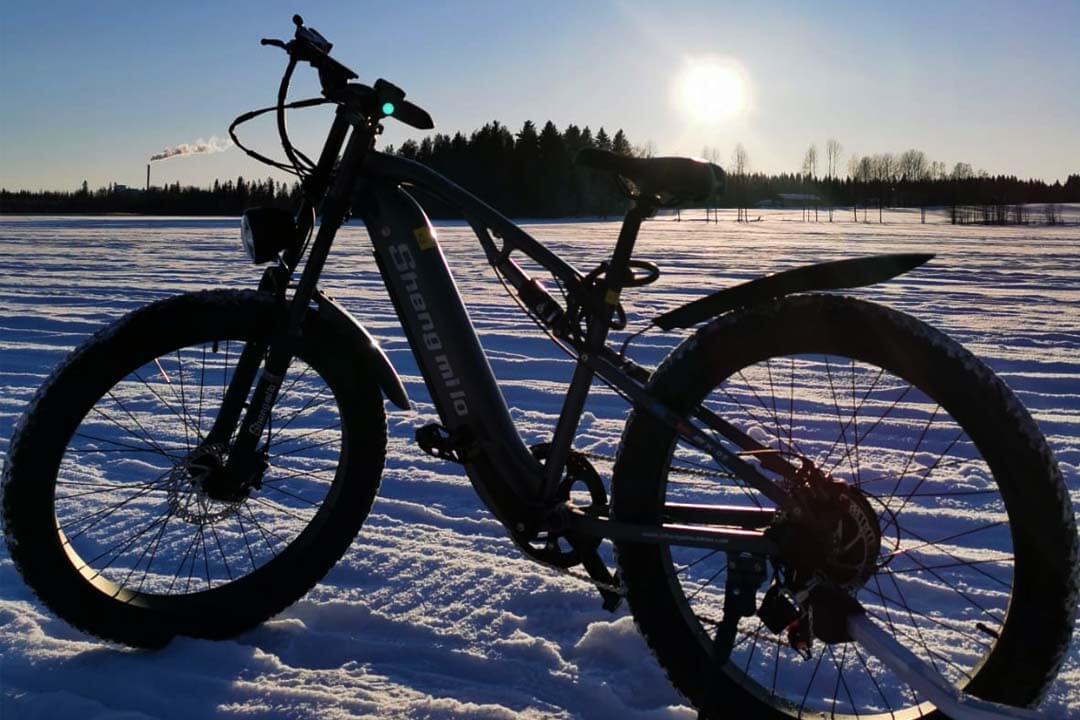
<point x="617" y="589"/>
<point x="680" y="471"/>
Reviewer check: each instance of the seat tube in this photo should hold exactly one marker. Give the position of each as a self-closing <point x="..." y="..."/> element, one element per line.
<point x="563" y="440"/>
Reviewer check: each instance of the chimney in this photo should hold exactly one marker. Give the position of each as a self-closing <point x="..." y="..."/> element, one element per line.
<point x="147" y="177"/>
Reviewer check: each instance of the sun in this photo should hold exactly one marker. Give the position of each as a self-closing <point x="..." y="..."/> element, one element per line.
<point x="712" y="91"/>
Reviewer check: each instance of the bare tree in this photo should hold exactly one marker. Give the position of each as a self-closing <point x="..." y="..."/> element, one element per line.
<point x="647" y="150"/>
<point x="888" y="171"/>
<point x="914" y="166"/>
<point x="711" y="154"/>
<point x="855" y="173"/>
<point x="962" y="171"/>
<point x="809" y="163"/>
<point x="740" y="165"/>
<point x="809" y="170"/>
<point x="833" y="148"/>
<point x="832" y="160"/>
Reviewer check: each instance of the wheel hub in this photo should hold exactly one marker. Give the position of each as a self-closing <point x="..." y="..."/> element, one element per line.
<point x="830" y="540"/>
<point x="196" y="487"/>
<point x="833" y="533"/>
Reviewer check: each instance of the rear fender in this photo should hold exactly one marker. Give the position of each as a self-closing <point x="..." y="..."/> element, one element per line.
<point x="354" y="340"/>
<point x="855" y="272"/>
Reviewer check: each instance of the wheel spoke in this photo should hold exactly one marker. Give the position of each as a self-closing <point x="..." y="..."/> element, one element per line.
<point x="925" y="475"/>
<point x="143" y="438"/>
<point x="309" y="433"/>
<point x="182" y="418"/>
<point x="707" y="583"/>
<point x="840" y="420"/>
<point x="120" y="445"/>
<point x="873" y="425"/>
<point x="883" y="432"/>
<point x="303" y="408"/>
<point x="165" y="535"/>
<point x="928" y="543"/>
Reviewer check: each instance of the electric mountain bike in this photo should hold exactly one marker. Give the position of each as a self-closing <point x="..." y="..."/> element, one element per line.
<point x="819" y="506"/>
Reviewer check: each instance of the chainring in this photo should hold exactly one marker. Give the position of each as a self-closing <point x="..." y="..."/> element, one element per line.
<point x="579" y="475"/>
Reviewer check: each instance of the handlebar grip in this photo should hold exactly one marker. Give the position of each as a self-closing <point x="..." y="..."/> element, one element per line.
<point x="413" y="115"/>
<point x="272" y="41"/>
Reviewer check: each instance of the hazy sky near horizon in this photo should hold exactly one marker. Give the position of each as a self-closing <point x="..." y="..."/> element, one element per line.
<point x="91" y="90"/>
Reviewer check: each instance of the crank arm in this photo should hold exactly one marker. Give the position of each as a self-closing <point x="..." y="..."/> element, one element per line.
<point x="923" y="678"/>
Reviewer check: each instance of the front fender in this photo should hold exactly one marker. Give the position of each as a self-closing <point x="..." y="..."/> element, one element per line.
<point x="855" y="272"/>
<point x="357" y="342"/>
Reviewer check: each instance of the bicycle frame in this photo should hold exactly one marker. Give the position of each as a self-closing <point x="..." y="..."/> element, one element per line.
<point x="457" y="373"/>
<point x="517" y="488"/>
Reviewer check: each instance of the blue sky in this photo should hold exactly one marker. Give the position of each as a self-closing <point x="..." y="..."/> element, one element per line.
<point x="90" y="90"/>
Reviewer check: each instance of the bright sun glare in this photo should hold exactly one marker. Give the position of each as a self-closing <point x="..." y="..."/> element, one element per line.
<point x="712" y="91"/>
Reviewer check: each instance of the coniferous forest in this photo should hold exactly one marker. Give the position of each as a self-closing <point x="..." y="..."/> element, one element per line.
<point x="531" y="174"/>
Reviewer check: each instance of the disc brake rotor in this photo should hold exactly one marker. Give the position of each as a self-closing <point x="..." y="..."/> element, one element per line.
<point x="187" y="497"/>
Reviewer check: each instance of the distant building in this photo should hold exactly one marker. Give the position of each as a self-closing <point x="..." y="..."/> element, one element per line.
<point x="799" y="199"/>
<point x="788" y="200"/>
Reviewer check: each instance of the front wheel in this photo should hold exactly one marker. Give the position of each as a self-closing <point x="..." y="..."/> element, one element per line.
<point x="976" y="567"/>
<point x="105" y="510"/>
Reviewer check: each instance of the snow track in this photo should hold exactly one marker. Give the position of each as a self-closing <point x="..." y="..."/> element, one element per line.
<point x="432" y="612"/>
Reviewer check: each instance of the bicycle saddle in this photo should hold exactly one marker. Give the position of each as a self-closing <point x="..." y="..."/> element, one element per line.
<point x="671" y="180"/>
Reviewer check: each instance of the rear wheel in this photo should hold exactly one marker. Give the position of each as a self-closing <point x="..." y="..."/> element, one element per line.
<point x="976" y="570"/>
<point x="105" y="509"/>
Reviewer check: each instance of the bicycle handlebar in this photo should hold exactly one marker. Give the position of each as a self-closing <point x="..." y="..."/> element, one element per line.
<point x="383" y="100"/>
<point x="308" y="45"/>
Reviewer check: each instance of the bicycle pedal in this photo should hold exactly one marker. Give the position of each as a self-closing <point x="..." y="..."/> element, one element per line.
<point x="435" y="440"/>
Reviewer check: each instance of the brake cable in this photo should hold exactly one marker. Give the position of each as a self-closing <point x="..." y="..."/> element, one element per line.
<point x="300" y="164"/>
<point x="296" y="104"/>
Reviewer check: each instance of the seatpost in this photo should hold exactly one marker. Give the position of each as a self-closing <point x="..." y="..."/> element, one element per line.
<point x="574" y="404"/>
<point x="615" y="277"/>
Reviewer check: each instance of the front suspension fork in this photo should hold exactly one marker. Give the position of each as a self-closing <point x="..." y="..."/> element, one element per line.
<point x="243" y="457"/>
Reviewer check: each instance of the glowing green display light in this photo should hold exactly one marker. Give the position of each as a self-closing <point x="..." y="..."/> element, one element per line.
<point x="388" y="108"/>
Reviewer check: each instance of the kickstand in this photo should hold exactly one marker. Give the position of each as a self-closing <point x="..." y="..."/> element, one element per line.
<point x="745" y="573"/>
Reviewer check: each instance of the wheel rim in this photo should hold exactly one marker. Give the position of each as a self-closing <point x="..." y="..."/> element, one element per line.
<point x="128" y="515"/>
<point x="943" y="587"/>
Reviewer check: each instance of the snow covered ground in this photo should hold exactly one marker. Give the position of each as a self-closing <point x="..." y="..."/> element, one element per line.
<point x="432" y="612"/>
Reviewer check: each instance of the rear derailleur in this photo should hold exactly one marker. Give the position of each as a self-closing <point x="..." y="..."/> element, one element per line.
<point x="801" y="610"/>
<point x="816" y="609"/>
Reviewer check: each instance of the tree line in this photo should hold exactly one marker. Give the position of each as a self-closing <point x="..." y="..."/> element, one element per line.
<point x="222" y="198"/>
<point x="531" y="173"/>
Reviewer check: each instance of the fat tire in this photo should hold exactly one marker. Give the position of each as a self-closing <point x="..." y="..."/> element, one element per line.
<point x="1040" y="617"/>
<point x="43" y="433"/>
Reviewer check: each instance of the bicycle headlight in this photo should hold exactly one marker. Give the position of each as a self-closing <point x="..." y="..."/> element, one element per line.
<point x="265" y="232"/>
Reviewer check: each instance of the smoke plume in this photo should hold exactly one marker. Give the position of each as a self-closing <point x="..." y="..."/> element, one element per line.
<point x="213" y="145"/>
